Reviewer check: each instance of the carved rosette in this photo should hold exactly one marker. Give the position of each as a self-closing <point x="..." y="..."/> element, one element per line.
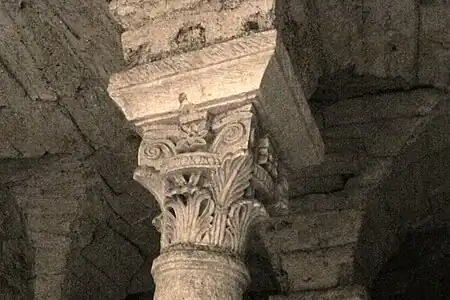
<point x="211" y="175"/>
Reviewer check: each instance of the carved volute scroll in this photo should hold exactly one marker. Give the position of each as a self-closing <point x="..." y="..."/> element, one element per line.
<point x="211" y="174"/>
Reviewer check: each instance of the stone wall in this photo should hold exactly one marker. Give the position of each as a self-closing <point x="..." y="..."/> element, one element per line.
<point x="62" y="155"/>
<point x="336" y="226"/>
<point x="88" y="241"/>
<point x="348" y="48"/>
<point x="16" y="255"/>
<point x="55" y="61"/>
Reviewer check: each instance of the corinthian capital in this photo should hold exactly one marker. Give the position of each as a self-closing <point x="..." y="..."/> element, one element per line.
<point x="211" y="174"/>
<point x="216" y="125"/>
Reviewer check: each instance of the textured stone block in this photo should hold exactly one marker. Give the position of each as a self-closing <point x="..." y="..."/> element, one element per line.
<point x="371" y="108"/>
<point x="343" y="293"/>
<point x="115" y="256"/>
<point x="340" y="33"/>
<point x="390" y="35"/>
<point x="202" y="26"/>
<point x="342" y="200"/>
<point x="434" y="56"/>
<point x="313" y="231"/>
<point x="318" y="270"/>
<point x="88" y="282"/>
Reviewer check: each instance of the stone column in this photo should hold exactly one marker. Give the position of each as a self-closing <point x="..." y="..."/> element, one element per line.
<point x="216" y="125"/>
<point x="211" y="174"/>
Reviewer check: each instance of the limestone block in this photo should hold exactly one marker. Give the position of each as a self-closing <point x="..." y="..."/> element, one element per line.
<point x="184" y="30"/>
<point x="341" y="200"/>
<point x="297" y="26"/>
<point x="219" y="78"/>
<point x="55" y="56"/>
<point x="313" y="231"/>
<point x="135" y="13"/>
<point x="344" y="293"/>
<point x="389" y="32"/>
<point x="51" y="253"/>
<point x="318" y="270"/>
<point x="340" y="33"/>
<point x="384" y="137"/>
<point x="48" y="287"/>
<point x="383" y="106"/>
<point x="288" y="114"/>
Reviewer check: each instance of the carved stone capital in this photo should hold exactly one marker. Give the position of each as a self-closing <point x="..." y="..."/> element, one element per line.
<point x="213" y="175"/>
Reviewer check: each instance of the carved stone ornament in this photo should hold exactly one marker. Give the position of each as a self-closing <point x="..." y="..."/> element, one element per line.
<point x="211" y="175"/>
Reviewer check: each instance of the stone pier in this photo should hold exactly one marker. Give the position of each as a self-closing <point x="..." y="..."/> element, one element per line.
<point x="223" y="128"/>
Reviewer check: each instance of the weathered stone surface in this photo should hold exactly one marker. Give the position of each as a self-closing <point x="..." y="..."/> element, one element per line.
<point x="324" y="184"/>
<point x="345" y="293"/>
<point x="16" y="256"/>
<point x="346" y="199"/>
<point x="298" y="32"/>
<point x="88" y="282"/>
<point x="185" y="30"/>
<point x="371" y="108"/>
<point x="389" y="38"/>
<point x="434" y="59"/>
<point x="379" y="138"/>
<point x="133" y="209"/>
<point x="340" y="33"/>
<point x="142" y="281"/>
<point x="48" y="286"/>
<point x="318" y="270"/>
<point x="313" y="231"/>
<point x="142" y="234"/>
<point x="434" y="138"/>
<point x="114" y="255"/>
<point x="202" y="275"/>
<point x="53" y="197"/>
<point x="135" y="13"/>
<point x="374" y="172"/>
<point x="55" y="60"/>
<point x="288" y="118"/>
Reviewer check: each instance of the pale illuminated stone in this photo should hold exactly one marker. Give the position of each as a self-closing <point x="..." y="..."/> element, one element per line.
<point x="222" y="128"/>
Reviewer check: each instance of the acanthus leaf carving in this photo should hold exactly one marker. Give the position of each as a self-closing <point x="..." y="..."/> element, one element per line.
<point x="187" y="217"/>
<point x="241" y="216"/>
<point x="232" y="178"/>
<point x="210" y="172"/>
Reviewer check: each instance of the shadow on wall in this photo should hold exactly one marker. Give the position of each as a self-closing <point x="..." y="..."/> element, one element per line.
<point x="419" y="270"/>
<point x="16" y="256"/>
